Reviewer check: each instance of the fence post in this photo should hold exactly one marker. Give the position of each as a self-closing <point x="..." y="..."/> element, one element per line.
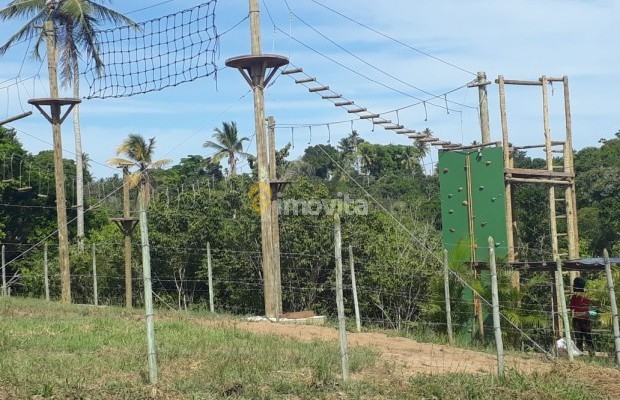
<point x="499" y="343"/>
<point x="358" y="323"/>
<point x="562" y="297"/>
<point x="46" y="279"/>
<point x="3" y="273"/>
<point x="95" y="292"/>
<point x="446" y="288"/>
<point x="148" y="287"/>
<point x="210" y="273"/>
<point x="342" y="330"/>
<point x="614" y="306"/>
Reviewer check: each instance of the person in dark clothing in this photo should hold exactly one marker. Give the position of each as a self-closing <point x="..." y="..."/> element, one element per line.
<point x="580" y="306"/>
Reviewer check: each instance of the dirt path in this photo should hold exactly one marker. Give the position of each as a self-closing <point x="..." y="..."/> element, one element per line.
<point x="407" y="355"/>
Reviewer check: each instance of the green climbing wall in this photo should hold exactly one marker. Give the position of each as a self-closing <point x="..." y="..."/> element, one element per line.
<point x="487" y="210"/>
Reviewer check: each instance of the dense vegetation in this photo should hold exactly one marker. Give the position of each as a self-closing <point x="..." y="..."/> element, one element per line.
<point x="396" y="244"/>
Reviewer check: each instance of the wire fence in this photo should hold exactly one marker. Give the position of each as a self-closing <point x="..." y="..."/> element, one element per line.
<point x="412" y="305"/>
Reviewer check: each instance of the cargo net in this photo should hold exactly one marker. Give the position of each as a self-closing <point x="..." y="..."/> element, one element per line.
<point x="155" y="54"/>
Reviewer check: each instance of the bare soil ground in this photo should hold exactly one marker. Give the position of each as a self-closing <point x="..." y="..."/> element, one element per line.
<point x="408" y="357"/>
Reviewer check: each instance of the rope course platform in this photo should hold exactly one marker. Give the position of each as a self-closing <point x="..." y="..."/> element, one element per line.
<point x="155" y="54"/>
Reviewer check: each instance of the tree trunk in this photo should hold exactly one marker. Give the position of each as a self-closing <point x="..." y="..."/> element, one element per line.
<point x="79" y="164"/>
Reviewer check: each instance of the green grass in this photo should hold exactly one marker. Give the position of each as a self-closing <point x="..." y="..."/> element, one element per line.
<point x="78" y="352"/>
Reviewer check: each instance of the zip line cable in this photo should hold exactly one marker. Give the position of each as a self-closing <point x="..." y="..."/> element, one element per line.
<point x="393" y="39"/>
<point x="372" y="65"/>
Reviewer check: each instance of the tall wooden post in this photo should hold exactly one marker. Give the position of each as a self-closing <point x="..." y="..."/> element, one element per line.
<point x="59" y="173"/>
<point x="446" y="290"/>
<point x="3" y="273"/>
<point x="499" y="344"/>
<point x="253" y="69"/>
<point x="614" y="306"/>
<point x="570" y="197"/>
<point x="342" y="329"/>
<point x="272" y="309"/>
<point x="507" y="164"/>
<point x="484" y="107"/>
<point x="275" y="228"/>
<point x="148" y="288"/>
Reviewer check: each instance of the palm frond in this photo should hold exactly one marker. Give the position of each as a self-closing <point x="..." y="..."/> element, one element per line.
<point x="28" y="31"/>
<point x="160" y="163"/>
<point x="119" y="162"/>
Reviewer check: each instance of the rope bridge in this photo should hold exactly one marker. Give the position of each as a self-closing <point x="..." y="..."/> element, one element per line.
<point x="155" y="54"/>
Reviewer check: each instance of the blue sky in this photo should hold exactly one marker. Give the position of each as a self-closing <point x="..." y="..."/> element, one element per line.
<point x="520" y="39"/>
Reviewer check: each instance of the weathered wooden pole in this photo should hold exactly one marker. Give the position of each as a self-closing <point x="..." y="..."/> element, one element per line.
<point x="499" y="343"/>
<point x="563" y="308"/>
<point x="356" y="307"/>
<point x="614" y="306"/>
<point x="210" y="276"/>
<point x="95" y="291"/>
<point x="3" y="273"/>
<point x="342" y="329"/>
<point x="59" y="173"/>
<point x="272" y="308"/>
<point x="482" y="83"/>
<point x="275" y="227"/>
<point x="46" y="279"/>
<point x="148" y="288"/>
<point x="446" y="289"/>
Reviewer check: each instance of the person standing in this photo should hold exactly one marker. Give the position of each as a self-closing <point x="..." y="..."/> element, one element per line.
<point x="580" y="306"/>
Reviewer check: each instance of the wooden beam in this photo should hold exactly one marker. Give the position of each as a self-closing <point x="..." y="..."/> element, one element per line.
<point x="522" y="83"/>
<point x="525" y="173"/>
<point x="538" y="181"/>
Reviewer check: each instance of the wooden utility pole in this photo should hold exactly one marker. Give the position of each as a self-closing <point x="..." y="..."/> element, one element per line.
<point x="275" y="227"/>
<point x="56" y="120"/>
<point x="342" y="329"/>
<point x="253" y="69"/>
<point x="127" y="224"/>
<point x="481" y="83"/>
<point x="148" y="286"/>
<point x="59" y="173"/>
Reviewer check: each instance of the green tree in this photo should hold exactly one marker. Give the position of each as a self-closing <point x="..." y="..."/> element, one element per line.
<point x="76" y="23"/>
<point x="322" y="159"/>
<point x="139" y="153"/>
<point x="227" y="144"/>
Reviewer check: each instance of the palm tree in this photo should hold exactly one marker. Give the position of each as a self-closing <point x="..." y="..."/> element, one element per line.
<point x="76" y="23"/>
<point x="409" y="159"/>
<point x="423" y="147"/>
<point x="227" y="145"/>
<point x="139" y="153"/>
